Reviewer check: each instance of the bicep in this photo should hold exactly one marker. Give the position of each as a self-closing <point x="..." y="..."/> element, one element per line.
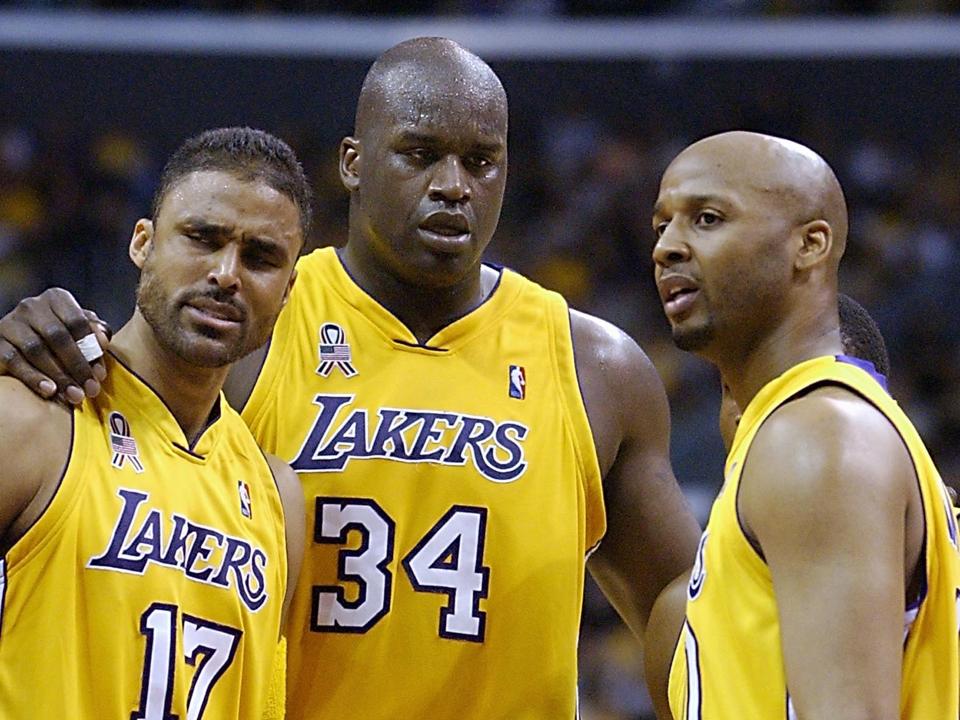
<point x="291" y="495"/>
<point x="34" y="445"/>
<point x="651" y="532"/>
<point x="660" y="640"/>
<point x="829" y="517"/>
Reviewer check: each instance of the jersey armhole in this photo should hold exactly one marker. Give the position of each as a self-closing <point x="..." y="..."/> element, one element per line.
<point x="60" y="503"/>
<point x="576" y="421"/>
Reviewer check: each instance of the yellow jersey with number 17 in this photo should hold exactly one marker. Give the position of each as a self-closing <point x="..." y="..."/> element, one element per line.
<point x="151" y="586"/>
<point x="453" y="494"/>
<point x="728" y="663"/>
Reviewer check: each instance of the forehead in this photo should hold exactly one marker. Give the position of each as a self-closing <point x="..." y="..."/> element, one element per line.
<point x="457" y="102"/>
<point x="718" y="174"/>
<point x="221" y="198"/>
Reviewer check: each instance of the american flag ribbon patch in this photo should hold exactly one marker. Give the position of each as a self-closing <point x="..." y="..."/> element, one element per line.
<point x="122" y="443"/>
<point x="334" y="351"/>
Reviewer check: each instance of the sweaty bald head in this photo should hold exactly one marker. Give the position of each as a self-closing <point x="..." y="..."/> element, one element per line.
<point x="426" y="77"/>
<point x="790" y="178"/>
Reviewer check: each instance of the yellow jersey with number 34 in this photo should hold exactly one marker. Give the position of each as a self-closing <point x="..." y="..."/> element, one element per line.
<point x="728" y="663"/>
<point x="151" y="587"/>
<point x="452" y="492"/>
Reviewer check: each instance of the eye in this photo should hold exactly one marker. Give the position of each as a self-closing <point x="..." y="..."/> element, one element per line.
<point x="479" y="161"/>
<point x="708" y="218"/>
<point x="420" y="155"/>
<point x="199" y="238"/>
<point x="660" y="228"/>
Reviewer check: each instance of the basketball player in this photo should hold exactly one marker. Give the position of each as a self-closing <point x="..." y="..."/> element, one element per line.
<point x="826" y="581"/>
<point x="144" y="557"/>
<point x="464" y="440"/>
<point x="861" y="339"/>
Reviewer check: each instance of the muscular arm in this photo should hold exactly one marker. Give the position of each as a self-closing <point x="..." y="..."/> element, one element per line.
<point x="651" y="533"/>
<point x="291" y="495"/>
<point x="660" y="640"/>
<point x="34" y="445"/>
<point x="825" y="492"/>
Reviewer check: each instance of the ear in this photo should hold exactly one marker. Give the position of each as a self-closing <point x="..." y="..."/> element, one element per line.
<point x="816" y="242"/>
<point x="350" y="163"/>
<point x="286" y="293"/>
<point x="141" y="242"/>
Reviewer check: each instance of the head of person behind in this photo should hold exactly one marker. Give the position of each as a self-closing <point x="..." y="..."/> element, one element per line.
<point x="860" y="337"/>
<point x="426" y="169"/>
<point x="217" y="256"/>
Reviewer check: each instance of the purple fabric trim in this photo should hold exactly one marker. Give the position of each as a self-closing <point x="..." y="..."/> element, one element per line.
<point x="866" y="366"/>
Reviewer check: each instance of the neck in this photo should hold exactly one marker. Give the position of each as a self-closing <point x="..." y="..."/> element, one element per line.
<point x="789" y="344"/>
<point x="190" y="392"/>
<point x="424" y="310"/>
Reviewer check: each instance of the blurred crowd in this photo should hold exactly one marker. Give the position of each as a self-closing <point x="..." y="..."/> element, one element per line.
<point x="576" y="219"/>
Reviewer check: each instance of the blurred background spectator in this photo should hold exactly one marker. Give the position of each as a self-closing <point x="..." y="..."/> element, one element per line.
<point x="83" y="132"/>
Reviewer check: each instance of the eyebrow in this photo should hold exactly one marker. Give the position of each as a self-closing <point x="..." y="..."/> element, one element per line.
<point x="255" y="242"/>
<point x="429" y="138"/>
<point x="688" y="200"/>
<point x="206" y="227"/>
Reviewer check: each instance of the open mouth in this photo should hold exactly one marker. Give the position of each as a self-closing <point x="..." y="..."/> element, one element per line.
<point x="678" y="293"/>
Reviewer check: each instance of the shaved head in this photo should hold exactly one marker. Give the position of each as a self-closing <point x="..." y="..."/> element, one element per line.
<point x="422" y="76"/>
<point x="751" y="229"/>
<point x="794" y="179"/>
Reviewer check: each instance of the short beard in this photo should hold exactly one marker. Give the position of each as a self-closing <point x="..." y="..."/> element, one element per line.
<point x="162" y="314"/>
<point x="693" y="339"/>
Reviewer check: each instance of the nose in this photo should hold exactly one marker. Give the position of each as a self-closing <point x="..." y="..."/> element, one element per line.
<point x="225" y="268"/>
<point x="450" y="181"/>
<point x="670" y="248"/>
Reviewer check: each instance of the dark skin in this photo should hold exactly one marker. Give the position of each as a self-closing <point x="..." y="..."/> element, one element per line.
<point x="750" y="231"/>
<point x="245" y="257"/>
<point x="426" y="170"/>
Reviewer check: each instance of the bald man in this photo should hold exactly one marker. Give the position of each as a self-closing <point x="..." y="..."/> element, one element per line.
<point x="465" y="441"/>
<point x="861" y="340"/>
<point x="826" y="581"/>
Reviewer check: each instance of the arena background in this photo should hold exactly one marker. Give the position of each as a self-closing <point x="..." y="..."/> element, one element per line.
<point x="602" y="94"/>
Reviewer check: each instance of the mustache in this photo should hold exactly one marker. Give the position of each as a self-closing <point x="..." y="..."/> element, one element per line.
<point x="217" y="295"/>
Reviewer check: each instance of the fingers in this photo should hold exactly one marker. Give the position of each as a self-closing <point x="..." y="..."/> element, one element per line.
<point x="38" y="346"/>
<point x="12" y="363"/>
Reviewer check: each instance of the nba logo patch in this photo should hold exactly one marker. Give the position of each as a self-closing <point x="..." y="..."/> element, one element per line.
<point x="518" y="382"/>
<point x="244" y="490"/>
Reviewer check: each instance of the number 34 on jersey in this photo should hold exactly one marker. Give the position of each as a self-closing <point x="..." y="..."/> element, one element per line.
<point x="448" y="559"/>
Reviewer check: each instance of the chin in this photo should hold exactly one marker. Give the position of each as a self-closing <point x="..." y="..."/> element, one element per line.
<point x="692" y="339"/>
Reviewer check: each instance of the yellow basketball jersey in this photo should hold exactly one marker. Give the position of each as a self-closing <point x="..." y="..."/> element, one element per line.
<point x="151" y="587"/>
<point x="452" y="493"/>
<point x="729" y="662"/>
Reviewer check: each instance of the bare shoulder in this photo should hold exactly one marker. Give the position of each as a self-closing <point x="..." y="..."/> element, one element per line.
<point x="621" y="388"/>
<point x="29" y="425"/>
<point x="609" y="348"/>
<point x="34" y="444"/>
<point x="825" y="449"/>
